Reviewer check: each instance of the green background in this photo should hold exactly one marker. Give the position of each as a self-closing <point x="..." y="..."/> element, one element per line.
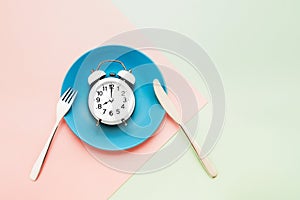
<point x="255" y="46"/>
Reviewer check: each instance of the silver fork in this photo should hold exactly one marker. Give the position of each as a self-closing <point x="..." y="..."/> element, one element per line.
<point x="63" y="106"/>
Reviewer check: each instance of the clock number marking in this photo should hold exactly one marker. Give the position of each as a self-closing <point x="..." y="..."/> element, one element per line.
<point x="98" y="99"/>
<point x="125" y="100"/>
<point x="100" y="93"/>
<point x="118" y="87"/>
<point x="111" y="113"/>
<point x="104" y="88"/>
<point x="123" y="93"/>
<point x="111" y="86"/>
<point x="118" y="111"/>
<point x="123" y="106"/>
<point x="104" y="110"/>
<point x="99" y="106"/>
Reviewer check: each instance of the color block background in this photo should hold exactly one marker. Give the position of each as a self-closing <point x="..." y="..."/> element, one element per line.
<point x="255" y="45"/>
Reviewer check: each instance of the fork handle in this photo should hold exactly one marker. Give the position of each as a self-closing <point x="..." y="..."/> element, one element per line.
<point x="35" y="171"/>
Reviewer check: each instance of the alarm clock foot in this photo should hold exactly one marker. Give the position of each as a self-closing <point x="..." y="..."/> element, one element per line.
<point x="98" y="122"/>
<point x="124" y="122"/>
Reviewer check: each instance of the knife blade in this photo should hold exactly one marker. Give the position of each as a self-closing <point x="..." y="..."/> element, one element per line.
<point x="171" y="110"/>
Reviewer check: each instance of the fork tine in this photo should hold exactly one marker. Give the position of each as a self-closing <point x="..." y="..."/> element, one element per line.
<point x="69" y="95"/>
<point x="66" y="93"/>
<point x="72" y="97"/>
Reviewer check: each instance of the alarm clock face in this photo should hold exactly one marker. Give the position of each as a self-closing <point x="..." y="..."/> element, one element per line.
<point x="111" y="101"/>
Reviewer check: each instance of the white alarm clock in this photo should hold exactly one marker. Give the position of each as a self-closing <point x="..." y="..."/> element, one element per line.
<point x="111" y="99"/>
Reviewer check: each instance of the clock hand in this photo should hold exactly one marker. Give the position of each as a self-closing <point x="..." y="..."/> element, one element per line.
<point x="111" y="100"/>
<point x="106" y="102"/>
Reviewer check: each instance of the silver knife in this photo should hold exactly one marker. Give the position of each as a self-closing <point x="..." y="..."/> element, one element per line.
<point x="170" y="108"/>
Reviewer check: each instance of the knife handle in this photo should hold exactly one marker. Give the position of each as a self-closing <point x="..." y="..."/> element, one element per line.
<point x="205" y="162"/>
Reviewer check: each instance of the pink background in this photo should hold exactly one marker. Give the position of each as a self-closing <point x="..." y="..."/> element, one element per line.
<point x="39" y="42"/>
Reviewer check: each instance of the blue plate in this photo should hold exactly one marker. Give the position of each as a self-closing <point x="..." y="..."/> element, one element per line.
<point x="147" y="116"/>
